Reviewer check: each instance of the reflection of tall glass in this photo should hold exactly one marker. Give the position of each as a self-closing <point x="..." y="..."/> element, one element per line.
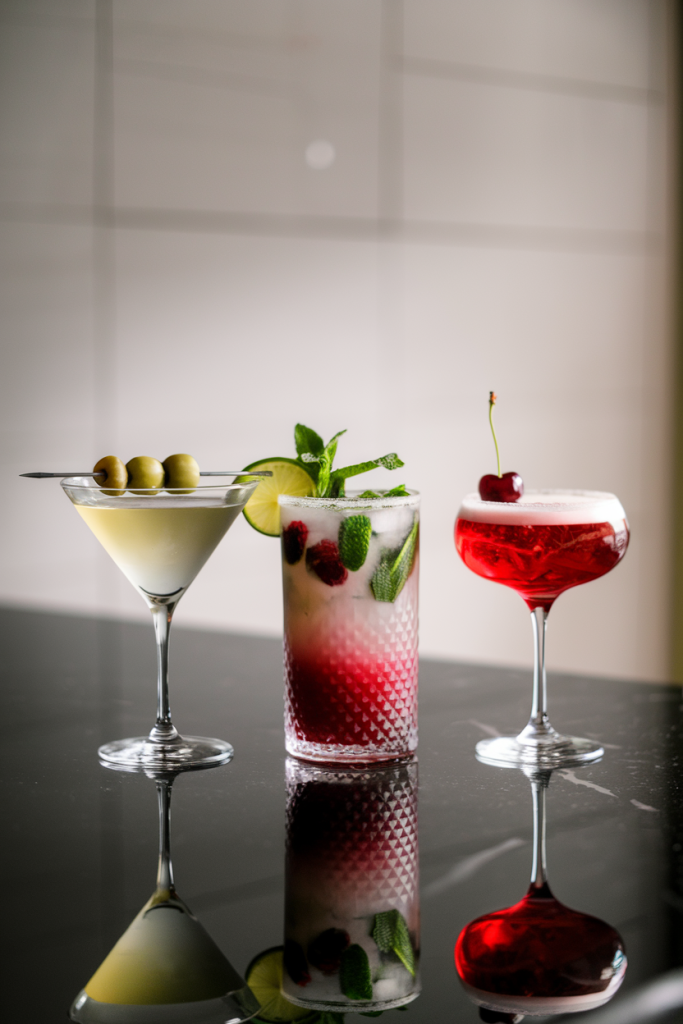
<point x="352" y="918"/>
<point x="350" y="633"/>
<point x="165" y="967"/>
<point x="539" y="957"/>
<point x="160" y="539"/>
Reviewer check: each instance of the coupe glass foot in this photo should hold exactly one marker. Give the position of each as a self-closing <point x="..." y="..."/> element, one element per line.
<point x="506" y="751"/>
<point x="188" y="752"/>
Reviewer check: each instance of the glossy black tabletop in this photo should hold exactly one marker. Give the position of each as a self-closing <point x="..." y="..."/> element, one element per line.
<point x="80" y="841"/>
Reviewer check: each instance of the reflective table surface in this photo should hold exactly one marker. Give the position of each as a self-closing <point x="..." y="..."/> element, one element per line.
<point x="80" y="847"/>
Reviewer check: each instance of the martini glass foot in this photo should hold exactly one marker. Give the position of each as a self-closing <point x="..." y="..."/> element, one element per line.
<point x="563" y="752"/>
<point x="187" y="752"/>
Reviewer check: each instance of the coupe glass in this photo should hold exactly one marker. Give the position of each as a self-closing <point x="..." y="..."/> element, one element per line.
<point x="160" y="539"/>
<point x="541" y="545"/>
<point x="165" y="968"/>
<point x="539" y="957"/>
<point x="350" y="634"/>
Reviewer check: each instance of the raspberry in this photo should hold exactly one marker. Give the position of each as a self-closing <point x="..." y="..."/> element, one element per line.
<point x="295" y="963"/>
<point x="294" y="541"/>
<point x="325" y="951"/>
<point x="324" y="560"/>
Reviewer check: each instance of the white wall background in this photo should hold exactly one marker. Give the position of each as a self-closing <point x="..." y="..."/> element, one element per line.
<point x="175" y="277"/>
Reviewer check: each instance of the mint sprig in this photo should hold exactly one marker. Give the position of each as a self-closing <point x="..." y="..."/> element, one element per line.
<point x="354" y="974"/>
<point x="390" y="932"/>
<point x="394" y="568"/>
<point x="318" y="459"/>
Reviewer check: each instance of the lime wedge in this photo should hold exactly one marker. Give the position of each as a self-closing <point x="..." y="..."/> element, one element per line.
<point x="262" y="510"/>
<point x="264" y="978"/>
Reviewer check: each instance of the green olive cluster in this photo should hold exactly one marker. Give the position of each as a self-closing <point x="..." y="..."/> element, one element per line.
<point x="145" y="475"/>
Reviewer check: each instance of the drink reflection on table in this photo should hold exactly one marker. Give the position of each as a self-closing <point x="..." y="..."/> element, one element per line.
<point x="352" y="900"/>
<point x="165" y="968"/>
<point x="538" y="957"/>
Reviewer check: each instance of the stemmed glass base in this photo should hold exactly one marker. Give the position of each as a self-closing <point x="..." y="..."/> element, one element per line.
<point x="142" y="754"/>
<point x="515" y="751"/>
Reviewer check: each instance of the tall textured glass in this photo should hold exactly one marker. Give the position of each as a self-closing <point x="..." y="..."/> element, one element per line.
<point x="350" y="578"/>
<point x="352" y="914"/>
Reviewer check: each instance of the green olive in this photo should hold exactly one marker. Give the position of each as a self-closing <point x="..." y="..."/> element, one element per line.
<point x="144" y="473"/>
<point x="181" y="471"/>
<point x="115" y="473"/>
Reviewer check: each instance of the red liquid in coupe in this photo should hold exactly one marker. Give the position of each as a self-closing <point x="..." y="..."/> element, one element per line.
<point x="540" y="957"/>
<point x="539" y="546"/>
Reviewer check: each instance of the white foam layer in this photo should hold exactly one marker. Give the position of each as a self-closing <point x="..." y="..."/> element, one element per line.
<point x="546" y="508"/>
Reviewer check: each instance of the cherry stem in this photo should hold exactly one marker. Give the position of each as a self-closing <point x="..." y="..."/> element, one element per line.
<point x="492" y="402"/>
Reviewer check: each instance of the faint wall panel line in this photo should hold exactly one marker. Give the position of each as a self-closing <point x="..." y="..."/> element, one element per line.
<point x="314" y="226"/>
<point x="508" y="79"/>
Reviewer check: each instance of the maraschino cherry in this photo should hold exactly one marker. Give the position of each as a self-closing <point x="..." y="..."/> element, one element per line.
<point x="505" y="486"/>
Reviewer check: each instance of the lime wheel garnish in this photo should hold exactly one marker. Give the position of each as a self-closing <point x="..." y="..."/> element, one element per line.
<point x="264" y="978"/>
<point x="289" y="477"/>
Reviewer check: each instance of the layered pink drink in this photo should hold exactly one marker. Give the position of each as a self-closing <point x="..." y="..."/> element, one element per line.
<point x="350" y="579"/>
<point x="352" y="920"/>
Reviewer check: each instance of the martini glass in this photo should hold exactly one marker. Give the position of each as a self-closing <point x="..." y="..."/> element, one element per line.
<point x="540" y="546"/>
<point x="165" y="968"/>
<point x="539" y="957"/>
<point x="160" y="539"/>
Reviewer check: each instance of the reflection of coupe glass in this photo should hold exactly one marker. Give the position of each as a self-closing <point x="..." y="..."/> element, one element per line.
<point x="539" y="957"/>
<point x="540" y="546"/>
<point x="165" y="968"/>
<point x="160" y="540"/>
<point x="351" y="897"/>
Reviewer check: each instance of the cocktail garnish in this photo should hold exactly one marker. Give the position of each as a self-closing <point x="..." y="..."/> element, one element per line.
<point x="354" y="541"/>
<point x="354" y="974"/>
<point x="391" y="934"/>
<point x="394" y="569"/>
<point x="318" y="458"/>
<point x="504" y="486"/>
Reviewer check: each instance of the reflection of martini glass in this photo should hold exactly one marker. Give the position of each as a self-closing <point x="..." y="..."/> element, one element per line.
<point x="539" y="957"/>
<point x="160" y="540"/>
<point x="165" y="967"/>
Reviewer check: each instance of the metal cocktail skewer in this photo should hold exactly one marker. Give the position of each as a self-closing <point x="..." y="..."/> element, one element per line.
<point x="205" y="472"/>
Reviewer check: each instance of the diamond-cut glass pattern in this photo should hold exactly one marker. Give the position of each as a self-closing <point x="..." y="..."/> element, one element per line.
<point x="352" y="853"/>
<point x="351" y="663"/>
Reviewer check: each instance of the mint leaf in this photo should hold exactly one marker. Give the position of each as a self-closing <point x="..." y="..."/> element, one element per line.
<point x="394" y="568"/>
<point x="354" y="973"/>
<point x="307" y="441"/>
<point x="390" y="932"/>
<point x="370" y="494"/>
<point x="338" y="478"/>
<point x="401" y="491"/>
<point x="354" y="541"/>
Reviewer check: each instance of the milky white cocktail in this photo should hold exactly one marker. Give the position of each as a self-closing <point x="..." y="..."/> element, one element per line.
<point x="540" y="546"/>
<point x="350" y="638"/>
<point x="165" y="968"/>
<point x="160" y="539"/>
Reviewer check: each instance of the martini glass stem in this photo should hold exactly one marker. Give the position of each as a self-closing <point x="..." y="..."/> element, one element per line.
<point x="165" y="869"/>
<point x="164" y="731"/>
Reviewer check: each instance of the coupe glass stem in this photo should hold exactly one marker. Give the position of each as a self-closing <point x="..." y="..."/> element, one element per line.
<point x="539" y="732"/>
<point x="165" y="869"/>
<point x="539" y="785"/>
<point x="164" y="730"/>
<point x="539" y="706"/>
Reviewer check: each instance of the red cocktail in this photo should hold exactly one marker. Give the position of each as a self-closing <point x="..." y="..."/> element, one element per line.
<point x="541" y="545"/>
<point x="539" y="957"/>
